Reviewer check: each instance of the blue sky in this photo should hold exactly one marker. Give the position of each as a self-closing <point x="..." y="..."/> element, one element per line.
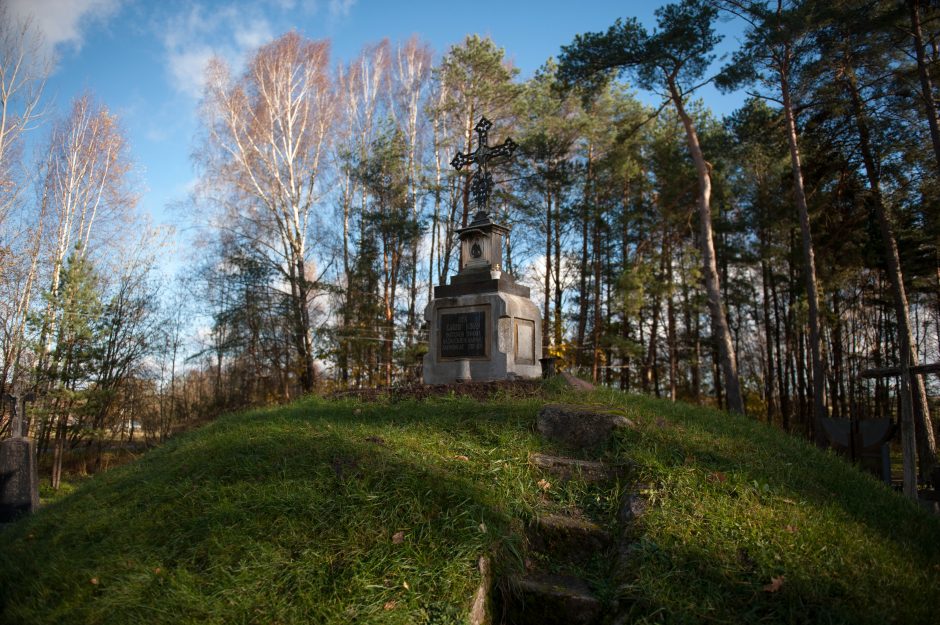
<point x="143" y="58"/>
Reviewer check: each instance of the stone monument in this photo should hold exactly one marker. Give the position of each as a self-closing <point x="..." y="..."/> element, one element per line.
<point x="482" y="326"/>
<point x="19" y="477"/>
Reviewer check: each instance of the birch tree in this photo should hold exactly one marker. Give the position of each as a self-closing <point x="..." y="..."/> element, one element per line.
<point x="266" y="135"/>
<point x="23" y="72"/>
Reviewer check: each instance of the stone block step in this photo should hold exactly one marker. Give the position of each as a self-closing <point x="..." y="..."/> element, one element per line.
<point x="567" y="468"/>
<point x="582" y="427"/>
<point x="568" y="539"/>
<point x="543" y="599"/>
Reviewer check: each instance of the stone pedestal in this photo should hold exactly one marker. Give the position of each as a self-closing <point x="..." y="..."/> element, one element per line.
<point x="487" y="321"/>
<point x="19" y="478"/>
<point x="482" y="321"/>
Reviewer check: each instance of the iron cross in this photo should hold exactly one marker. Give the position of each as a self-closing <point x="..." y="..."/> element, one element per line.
<point x="482" y="184"/>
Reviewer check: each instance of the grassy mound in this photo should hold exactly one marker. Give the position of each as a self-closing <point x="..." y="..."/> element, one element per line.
<point x="353" y="512"/>
<point x="754" y="526"/>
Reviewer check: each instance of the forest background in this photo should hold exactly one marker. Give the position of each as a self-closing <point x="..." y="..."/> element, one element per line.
<point x="325" y="210"/>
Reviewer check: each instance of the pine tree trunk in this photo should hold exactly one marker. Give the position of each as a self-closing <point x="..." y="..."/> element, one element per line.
<point x="546" y="334"/>
<point x="907" y="356"/>
<point x="671" y="322"/>
<point x="809" y="262"/>
<point x="583" y="298"/>
<point x="926" y="84"/>
<point x="783" y="388"/>
<point x="557" y="321"/>
<point x="722" y="333"/>
<point x="596" y="297"/>
<point x="768" y="335"/>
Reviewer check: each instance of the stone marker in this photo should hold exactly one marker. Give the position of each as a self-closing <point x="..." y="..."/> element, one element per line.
<point x="19" y="476"/>
<point x="482" y="326"/>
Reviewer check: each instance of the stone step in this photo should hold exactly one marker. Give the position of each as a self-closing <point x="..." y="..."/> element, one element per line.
<point x="543" y="599"/>
<point x="567" y="468"/>
<point x="568" y="539"/>
<point x="582" y="427"/>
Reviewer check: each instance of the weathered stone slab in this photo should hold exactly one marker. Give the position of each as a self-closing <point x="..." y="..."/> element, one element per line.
<point x="567" y="538"/>
<point x="551" y="599"/>
<point x="567" y="468"/>
<point x="19" y="478"/>
<point x="579" y="426"/>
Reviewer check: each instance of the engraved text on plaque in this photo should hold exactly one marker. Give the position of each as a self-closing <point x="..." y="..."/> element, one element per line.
<point x="463" y="335"/>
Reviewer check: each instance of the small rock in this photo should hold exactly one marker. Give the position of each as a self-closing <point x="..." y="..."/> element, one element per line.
<point x="632" y="508"/>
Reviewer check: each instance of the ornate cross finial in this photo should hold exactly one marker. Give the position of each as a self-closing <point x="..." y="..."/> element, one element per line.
<point x="482" y="184"/>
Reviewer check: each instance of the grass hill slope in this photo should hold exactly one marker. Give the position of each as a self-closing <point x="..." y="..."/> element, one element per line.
<point x="353" y="512"/>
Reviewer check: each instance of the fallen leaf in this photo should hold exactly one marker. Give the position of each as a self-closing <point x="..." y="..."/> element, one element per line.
<point x="94" y="581"/>
<point x="462" y="458"/>
<point x="776" y="583"/>
<point x="398" y="538"/>
<point x="544" y="485"/>
<point x="390" y="605"/>
<point x="791" y="529"/>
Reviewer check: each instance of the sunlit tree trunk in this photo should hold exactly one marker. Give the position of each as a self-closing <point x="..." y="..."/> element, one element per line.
<point x="721" y="331"/>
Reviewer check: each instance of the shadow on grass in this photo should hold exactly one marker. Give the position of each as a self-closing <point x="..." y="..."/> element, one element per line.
<point x="291" y="517"/>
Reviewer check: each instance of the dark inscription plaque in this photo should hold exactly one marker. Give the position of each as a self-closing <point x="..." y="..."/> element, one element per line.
<point x="463" y="335"/>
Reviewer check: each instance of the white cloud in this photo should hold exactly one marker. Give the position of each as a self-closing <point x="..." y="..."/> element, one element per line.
<point x="188" y="68"/>
<point x="192" y="38"/>
<point x="63" y="22"/>
<point x="253" y="35"/>
<point x="340" y="8"/>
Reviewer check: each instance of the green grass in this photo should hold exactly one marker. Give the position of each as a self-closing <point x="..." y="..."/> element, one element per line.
<point x="290" y="515"/>
<point x="737" y="504"/>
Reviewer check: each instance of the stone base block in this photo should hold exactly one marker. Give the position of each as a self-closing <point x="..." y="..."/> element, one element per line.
<point x="19" y="478"/>
<point x="497" y="334"/>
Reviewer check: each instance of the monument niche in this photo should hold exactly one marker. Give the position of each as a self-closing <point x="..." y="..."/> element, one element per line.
<point x="482" y="326"/>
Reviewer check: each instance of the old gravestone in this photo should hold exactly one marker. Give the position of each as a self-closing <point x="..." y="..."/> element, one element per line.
<point x="19" y="477"/>
<point x="482" y="326"/>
